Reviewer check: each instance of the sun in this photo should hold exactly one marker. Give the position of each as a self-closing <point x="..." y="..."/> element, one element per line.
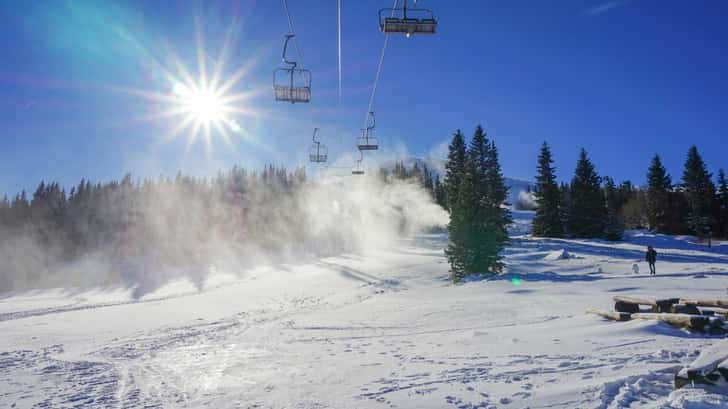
<point x="204" y="102"/>
<point x="205" y="105"/>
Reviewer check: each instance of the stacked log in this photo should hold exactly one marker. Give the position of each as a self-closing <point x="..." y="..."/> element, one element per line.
<point x="706" y="316"/>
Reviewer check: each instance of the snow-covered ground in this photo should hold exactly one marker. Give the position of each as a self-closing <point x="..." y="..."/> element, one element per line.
<point x="377" y="330"/>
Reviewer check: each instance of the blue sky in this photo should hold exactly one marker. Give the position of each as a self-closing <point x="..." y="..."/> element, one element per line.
<point x="624" y="79"/>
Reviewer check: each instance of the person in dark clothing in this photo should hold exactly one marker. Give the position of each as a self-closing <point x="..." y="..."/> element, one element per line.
<point x="651" y="258"/>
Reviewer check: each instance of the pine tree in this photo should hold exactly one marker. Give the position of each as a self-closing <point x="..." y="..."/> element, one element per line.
<point x="587" y="213"/>
<point x="458" y="189"/>
<point x="478" y="156"/>
<point x="455" y="168"/>
<point x="476" y="201"/>
<point x="416" y="173"/>
<point x="625" y="192"/>
<point x="498" y="214"/>
<point x="613" y="229"/>
<point x="383" y="174"/>
<point x="723" y="202"/>
<point x="565" y="201"/>
<point x="547" y="222"/>
<point x="659" y="185"/>
<point x="427" y="182"/>
<point x="5" y="217"/>
<point x="699" y="191"/>
<point x="633" y="214"/>
<point x="440" y="195"/>
<point x="478" y="219"/>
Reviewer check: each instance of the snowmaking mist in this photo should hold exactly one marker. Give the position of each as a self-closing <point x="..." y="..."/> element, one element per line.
<point x="144" y="235"/>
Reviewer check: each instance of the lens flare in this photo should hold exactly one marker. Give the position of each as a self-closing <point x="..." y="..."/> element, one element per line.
<point x="204" y="102"/>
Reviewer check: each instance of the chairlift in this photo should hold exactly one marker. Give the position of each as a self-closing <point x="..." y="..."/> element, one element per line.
<point x="291" y="84"/>
<point x="407" y="21"/>
<point x="358" y="168"/>
<point x="367" y="141"/>
<point x="318" y="152"/>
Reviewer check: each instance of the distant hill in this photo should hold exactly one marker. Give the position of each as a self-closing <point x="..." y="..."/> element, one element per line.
<point x="515" y="186"/>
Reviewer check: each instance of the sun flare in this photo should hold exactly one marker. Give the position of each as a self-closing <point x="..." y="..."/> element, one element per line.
<point x="206" y="102"/>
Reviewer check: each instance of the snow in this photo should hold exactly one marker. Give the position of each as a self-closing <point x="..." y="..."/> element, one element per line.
<point x="561" y="254"/>
<point x="374" y="330"/>
<point x="710" y="358"/>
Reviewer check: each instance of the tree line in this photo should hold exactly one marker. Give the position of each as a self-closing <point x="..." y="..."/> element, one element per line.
<point x="138" y="227"/>
<point x="426" y="177"/>
<point x="142" y="233"/>
<point x="592" y="206"/>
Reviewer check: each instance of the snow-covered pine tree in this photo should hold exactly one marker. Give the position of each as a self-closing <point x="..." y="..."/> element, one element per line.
<point x="659" y="185"/>
<point x="548" y="221"/>
<point x="613" y="229"/>
<point x="587" y="212"/>
<point x="699" y="191"/>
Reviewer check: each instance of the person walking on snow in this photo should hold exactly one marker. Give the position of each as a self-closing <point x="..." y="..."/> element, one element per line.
<point x="651" y="258"/>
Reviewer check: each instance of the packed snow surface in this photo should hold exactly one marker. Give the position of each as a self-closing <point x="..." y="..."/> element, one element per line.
<point x="384" y="329"/>
<point x="561" y="254"/>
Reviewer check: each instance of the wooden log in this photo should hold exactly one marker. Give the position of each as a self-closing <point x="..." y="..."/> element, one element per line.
<point x="716" y="320"/>
<point x="661" y="305"/>
<point x="705" y="303"/>
<point x="634" y="300"/>
<point x="611" y="315"/>
<point x="718" y="312"/>
<point x="665" y="305"/>
<point x="685" y="309"/>
<point x="695" y="322"/>
<point x="628" y="308"/>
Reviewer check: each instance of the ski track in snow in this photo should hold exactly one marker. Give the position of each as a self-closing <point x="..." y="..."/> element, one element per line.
<point x="375" y="332"/>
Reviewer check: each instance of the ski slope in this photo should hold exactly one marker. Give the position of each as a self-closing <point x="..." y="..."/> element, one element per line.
<point x="385" y="329"/>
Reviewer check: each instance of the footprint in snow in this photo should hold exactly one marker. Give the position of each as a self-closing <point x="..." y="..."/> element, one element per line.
<point x="522" y="395"/>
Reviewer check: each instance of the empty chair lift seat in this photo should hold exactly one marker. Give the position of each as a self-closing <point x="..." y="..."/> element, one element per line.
<point x="367" y="143"/>
<point x="409" y="23"/>
<point x="318" y="155"/>
<point x="289" y="91"/>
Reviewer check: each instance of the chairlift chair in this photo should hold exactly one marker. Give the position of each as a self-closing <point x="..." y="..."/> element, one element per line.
<point x="291" y="84"/>
<point x="407" y="21"/>
<point x="368" y="141"/>
<point x="358" y="168"/>
<point x="318" y="152"/>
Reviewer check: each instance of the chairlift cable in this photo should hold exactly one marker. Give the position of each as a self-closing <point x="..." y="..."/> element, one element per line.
<point x="379" y="71"/>
<point x="340" y="87"/>
<point x="290" y="29"/>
